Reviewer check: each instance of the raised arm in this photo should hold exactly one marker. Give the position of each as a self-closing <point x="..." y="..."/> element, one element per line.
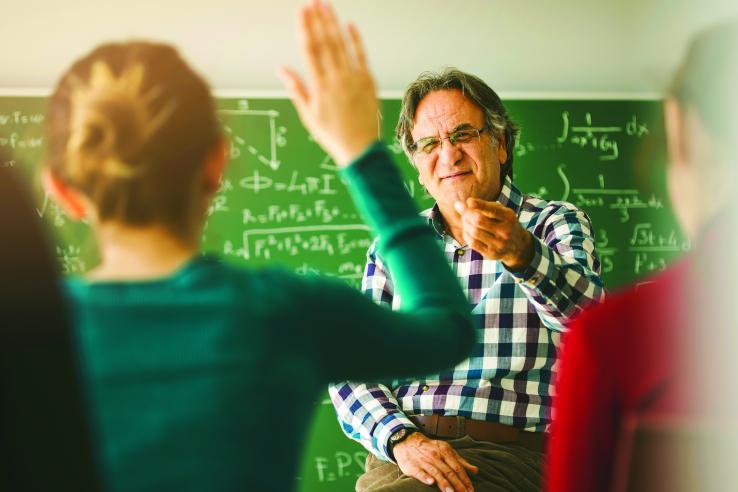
<point x="434" y="329"/>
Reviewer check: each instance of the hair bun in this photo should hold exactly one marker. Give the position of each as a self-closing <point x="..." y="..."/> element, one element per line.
<point x="111" y="122"/>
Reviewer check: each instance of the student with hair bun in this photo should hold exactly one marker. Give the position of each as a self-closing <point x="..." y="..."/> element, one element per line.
<point x="200" y="375"/>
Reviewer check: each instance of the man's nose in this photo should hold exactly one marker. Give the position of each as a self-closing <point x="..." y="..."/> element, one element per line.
<point x="449" y="153"/>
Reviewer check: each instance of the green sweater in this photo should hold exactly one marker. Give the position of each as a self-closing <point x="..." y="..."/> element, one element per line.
<point x="206" y="379"/>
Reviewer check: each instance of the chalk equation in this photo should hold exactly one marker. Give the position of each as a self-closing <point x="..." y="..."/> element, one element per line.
<point x="341" y="465"/>
<point x="298" y="183"/>
<point x="70" y="259"/>
<point x="648" y="249"/>
<point x="296" y="213"/>
<point x="621" y="200"/>
<point x="277" y="135"/>
<point x="19" y="117"/>
<point x="330" y="240"/>
<point x="282" y="199"/>
<point x="16" y="141"/>
<point x="604" y="139"/>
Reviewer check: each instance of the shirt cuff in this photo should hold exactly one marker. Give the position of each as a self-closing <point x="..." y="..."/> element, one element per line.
<point x="355" y="166"/>
<point x="385" y="428"/>
<point x="539" y="268"/>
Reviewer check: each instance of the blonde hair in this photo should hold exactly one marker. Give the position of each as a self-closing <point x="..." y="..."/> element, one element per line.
<point x="130" y="126"/>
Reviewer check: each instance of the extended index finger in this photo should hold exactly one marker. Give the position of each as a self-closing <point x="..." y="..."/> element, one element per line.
<point x="492" y="210"/>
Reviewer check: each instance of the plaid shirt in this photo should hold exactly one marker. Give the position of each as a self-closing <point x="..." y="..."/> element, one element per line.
<point x="509" y="379"/>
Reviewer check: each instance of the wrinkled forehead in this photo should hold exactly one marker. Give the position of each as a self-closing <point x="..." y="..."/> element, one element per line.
<point x="443" y="111"/>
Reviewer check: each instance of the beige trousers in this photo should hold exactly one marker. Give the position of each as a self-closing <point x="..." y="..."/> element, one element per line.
<point x="502" y="467"/>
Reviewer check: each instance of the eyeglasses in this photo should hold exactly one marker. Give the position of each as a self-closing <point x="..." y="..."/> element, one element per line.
<point x="426" y="146"/>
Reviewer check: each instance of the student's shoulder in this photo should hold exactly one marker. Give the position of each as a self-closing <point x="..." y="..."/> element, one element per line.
<point x="654" y="304"/>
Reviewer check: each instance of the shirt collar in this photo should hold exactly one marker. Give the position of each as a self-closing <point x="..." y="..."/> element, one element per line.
<point x="510" y="197"/>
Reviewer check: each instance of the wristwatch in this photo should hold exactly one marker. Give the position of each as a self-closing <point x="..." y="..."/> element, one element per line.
<point x="397" y="437"/>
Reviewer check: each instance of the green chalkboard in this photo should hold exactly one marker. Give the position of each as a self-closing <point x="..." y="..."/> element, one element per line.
<point x="281" y="201"/>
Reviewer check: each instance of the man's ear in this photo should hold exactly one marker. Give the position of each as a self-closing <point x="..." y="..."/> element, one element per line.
<point x="675" y="125"/>
<point x="67" y="197"/>
<point x="215" y="163"/>
<point x="502" y="151"/>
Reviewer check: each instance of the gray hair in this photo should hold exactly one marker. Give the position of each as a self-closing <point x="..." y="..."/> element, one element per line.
<point x="473" y="88"/>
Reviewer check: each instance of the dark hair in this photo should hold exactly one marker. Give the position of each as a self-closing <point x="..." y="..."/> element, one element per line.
<point x="473" y="88"/>
<point x="130" y="125"/>
<point x="46" y="439"/>
<point x="708" y="80"/>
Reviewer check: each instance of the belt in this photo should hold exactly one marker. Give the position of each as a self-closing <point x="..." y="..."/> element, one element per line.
<point x="454" y="427"/>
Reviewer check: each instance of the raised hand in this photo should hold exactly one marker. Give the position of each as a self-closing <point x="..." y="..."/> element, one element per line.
<point x="339" y="103"/>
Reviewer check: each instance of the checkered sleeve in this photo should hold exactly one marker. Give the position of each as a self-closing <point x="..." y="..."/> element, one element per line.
<point x="564" y="275"/>
<point x="369" y="413"/>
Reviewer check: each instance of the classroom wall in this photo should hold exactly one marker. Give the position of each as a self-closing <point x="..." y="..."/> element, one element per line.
<point x="568" y="46"/>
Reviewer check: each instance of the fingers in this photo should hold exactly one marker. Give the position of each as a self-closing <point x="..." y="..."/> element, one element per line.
<point x="475" y="220"/>
<point x="421" y="475"/>
<point x="335" y="47"/>
<point x="444" y="476"/>
<point x="431" y="461"/>
<point x="295" y="88"/>
<point x="337" y="104"/>
<point x="321" y="40"/>
<point x="455" y="473"/>
<point x="486" y="243"/>
<point x="493" y="210"/>
<point x="357" y="47"/>
<point x="442" y="462"/>
<point x="467" y="465"/>
<point x="309" y="41"/>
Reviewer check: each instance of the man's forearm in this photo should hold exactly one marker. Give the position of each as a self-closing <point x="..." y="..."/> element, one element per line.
<point x="373" y="420"/>
<point x="563" y="278"/>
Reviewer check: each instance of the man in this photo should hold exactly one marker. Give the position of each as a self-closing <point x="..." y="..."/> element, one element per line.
<point x="526" y="265"/>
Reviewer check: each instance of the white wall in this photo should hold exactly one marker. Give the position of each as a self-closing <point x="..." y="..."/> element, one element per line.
<point x="540" y="46"/>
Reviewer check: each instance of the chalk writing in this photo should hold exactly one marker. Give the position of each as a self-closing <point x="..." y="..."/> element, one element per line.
<point x="17" y="141"/>
<point x="324" y="184"/>
<point x="623" y="200"/>
<point x="70" y="259"/>
<point x="316" y="211"/>
<point x="605" y="139"/>
<point x="327" y="239"/>
<point x="341" y="465"/>
<point x="21" y="118"/>
<point x="277" y="135"/>
<point x="652" y="249"/>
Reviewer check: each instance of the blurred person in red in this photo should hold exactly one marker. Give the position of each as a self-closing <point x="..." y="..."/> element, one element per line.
<point x="661" y="351"/>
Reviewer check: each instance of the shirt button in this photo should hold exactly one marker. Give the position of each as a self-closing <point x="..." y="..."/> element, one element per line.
<point x="534" y="279"/>
<point x="460" y="252"/>
<point x="425" y="388"/>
